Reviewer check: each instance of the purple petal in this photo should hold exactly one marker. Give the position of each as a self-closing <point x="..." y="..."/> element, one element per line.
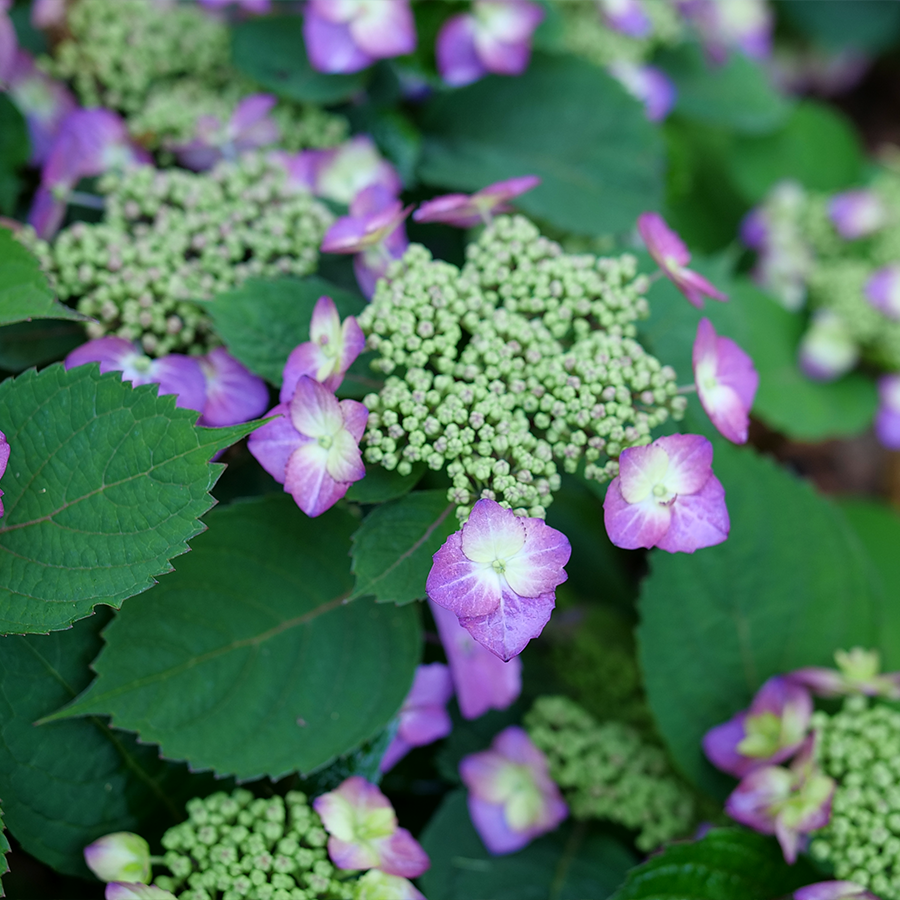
<point x="648" y="84"/>
<point x="355" y="417"/>
<point x="307" y="480"/>
<point x="754" y="229"/>
<point x="821" y="681"/>
<point x="341" y="173"/>
<point x="458" y="584"/>
<point x="315" y="411"/>
<point x="452" y="209"/>
<point x="511" y="187"/>
<point x="500" y="56"/>
<point x="402" y="855"/>
<point x="856" y="214"/>
<point x="274" y="442"/>
<point x="346" y="855"/>
<point x="397" y="749"/>
<point x="752" y="801"/>
<point x="347" y="235"/>
<point x="344" y="462"/>
<point x="180" y="375"/>
<point x="492" y="532"/>
<point x="306" y="359"/>
<point x="690" y="460"/>
<point x="720" y="746"/>
<point x="47" y="213"/>
<point x="385" y="29"/>
<point x="627" y="17"/>
<point x="539" y="567"/>
<point x="113" y="354"/>
<point x="883" y="290"/>
<point x="833" y="890"/>
<point x="514" y="622"/>
<point x="510" y="20"/>
<point x="489" y="820"/>
<point x="8" y="46"/>
<point x="233" y="394"/>
<point x="457" y="60"/>
<point x="482" y="680"/>
<point x="662" y="243"/>
<point x="633" y="525"/>
<point x="695" y="287"/>
<point x="330" y="45"/>
<point x="251" y="111"/>
<point x="827" y="349"/>
<point x="698" y="520"/>
<point x="299" y="167"/>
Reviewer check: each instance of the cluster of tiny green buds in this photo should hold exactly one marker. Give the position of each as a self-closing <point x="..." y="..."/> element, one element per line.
<point x="116" y="50"/>
<point x="860" y="748"/>
<point x="523" y="361"/>
<point x="235" y="847"/>
<point x="606" y="771"/>
<point x="171" y="237"/>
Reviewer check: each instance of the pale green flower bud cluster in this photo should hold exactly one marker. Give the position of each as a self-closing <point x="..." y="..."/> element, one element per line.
<point x="116" y="50"/>
<point x="809" y="259"/>
<point x="169" y="115"/>
<point x="585" y="34"/>
<point x="607" y="771"/>
<point x="860" y="748"/>
<point x="170" y="237"/>
<point x="523" y="360"/>
<point x="235" y="847"/>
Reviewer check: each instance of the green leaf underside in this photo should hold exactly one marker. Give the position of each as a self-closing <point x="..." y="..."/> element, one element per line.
<point x="789" y="586"/>
<point x="247" y="660"/>
<point x="264" y="319"/>
<point x="727" y="864"/>
<point x="24" y="291"/>
<point x="565" y="120"/>
<point x="105" y="484"/>
<point x="55" y="803"/>
<point x="569" y="864"/>
<point x="787" y="400"/>
<point x="393" y="548"/>
<point x="272" y="52"/>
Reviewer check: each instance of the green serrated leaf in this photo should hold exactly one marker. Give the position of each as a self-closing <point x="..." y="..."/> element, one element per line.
<point x="565" y="120"/>
<point x="248" y="660"/>
<point x="789" y="586"/>
<point x="787" y="400"/>
<point x="105" y="484"/>
<point x="65" y="784"/>
<point x="24" y="290"/>
<point x="264" y="319"/>
<point x="272" y="52"/>
<point x="737" y="93"/>
<point x="572" y="863"/>
<point x="727" y="864"/>
<point x="392" y="549"/>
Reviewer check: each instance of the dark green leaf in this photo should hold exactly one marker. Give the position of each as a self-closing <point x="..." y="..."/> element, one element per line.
<point x="67" y="783"/>
<point x="248" y="660"/>
<point x="790" y="585"/>
<point x="393" y="547"/>
<point x="727" y="864"/>
<point x="867" y="25"/>
<point x="380" y="484"/>
<point x="24" y="291"/>
<point x="264" y="319"/>
<point x="787" y="400"/>
<point x="26" y="344"/>
<point x="817" y="147"/>
<point x="272" y="52"/>
<point x="4" y="849"/>
<point x="105" y="484"/>
<point x="737" y="94"/>
<point x="14" y="150"/>
<point x="599" y="160"/>
<point x="572" y="863"/>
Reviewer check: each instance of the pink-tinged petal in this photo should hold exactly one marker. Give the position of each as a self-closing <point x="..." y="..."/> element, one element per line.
<point x="698" y="520"/>
<point x="368" y="267"/>
<point x="353" y="342"/>
<point x="515" y="744"/>
<point x="330" y="45"/>
<point x="627" y="17"/>
<point x="887" y="428"/>
<point x="458" y="584"/>
<point x="780" y="694"/>
<point x="377" y="885"/>
<point x="298" y="167"/>
<point x="457" y="60"/>
<point x="489" y="820"/>
<point x="347" y="235"/>
<point x="648" y="84"/>
<point x="641" y="469"/>
<point x="451" y="209"/>
<point x="113" y="354"/>
<point x="511" y="187"/>
<point x="180" y="375"/>
<point x="306" y="359"/>
<point x="752" y="801"/>
<point x="482" y="773"/>
<point x="663" y="244"/>
<point x="48" y="13"/>
<point x="754" y="229"/>
<point x="233" y="393"/>
<point x="402" y="855"/>
<point x="859" y="213"/>
<point x="690" y="462"/>
<point x="4" y="454"/>
<point x="833" y="890"/>
<point x="344" y="461"/>
<point x="274" y="442"/>
<point x="634" y="525"/>
<point x="510" y="20"/>
<point x="482" y="681"/>
<point x="355" y="800"/>
<point x="397" y="749"/>
<point x="325" y="324"/>
<point x="346" y="855"/>
<point x="514" y="622"/>
<point x="695" y="287"/>
<point x="502" y="57"/>
<point x="882" y="290"/>
<point x="250" y="112"/>
<point x="425" y="725"/>
<point x="821" y="681"/>
<point x="720" y="746"/>
<point x="540" y="565"/>
<point x="342" y="172"/>
<point x="121" y="856"/>
<point x="315" y="411"/>
<point x="355" y="417"/>
<point x="385" y="29"/>
<point x="307" y="480"/>
<point x="47" y="213"/>
<point x="121" y="890"/>
<point x="827" y="349"/>
<point x="492" y="532"/>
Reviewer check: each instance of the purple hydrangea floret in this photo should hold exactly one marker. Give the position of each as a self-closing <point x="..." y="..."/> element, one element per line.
<point x="666" y="496"/>
<point x="482" y="680"/>
<point x="649" y="84"/>
<point x="882" y="290"/>
<point x="743" y="24"/>
<point x="726" y="382"/>
<point x="858" y="672"/>
<point x="423" y="716"/>
<point x="626" y="17"/>
<point x="499" y="575"/>
<point x="834" y="890"/>
<point x="469" y="210"/>
<point x="858" y="213"/>
<point x="672" y="256"/>
<point x="233" y="393"/>
<point x="512" y="798"/>
<point x="887" y="419"/>
<point x="827" y="349"/>
<point x="769" y="732"/>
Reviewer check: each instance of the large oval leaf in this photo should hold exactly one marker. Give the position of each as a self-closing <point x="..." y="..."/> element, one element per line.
<point x="248" y="660"/>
